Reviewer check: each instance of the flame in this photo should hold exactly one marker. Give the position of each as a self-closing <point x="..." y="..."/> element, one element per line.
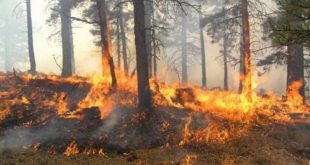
<point x="72" y="149"/>
<point x="189" y="159"/>
<point x="62" y="105"/>
<point x="293" y="94"/>
<point x="227" y="106"/>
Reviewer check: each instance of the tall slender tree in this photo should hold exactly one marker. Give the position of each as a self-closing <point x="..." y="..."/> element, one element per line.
<point x="106" y="44"/>
<point x="144" y="93"/>
<point x="184" y="50"/>
<point x="124" y="42"/>
<point x="30" y="39"/>
<point x="68" y="67"/>
<point x="225" y="60"/>
<point x="203" y="56"/>
<point x="246" y="61"/>
<point x="118" y="38"/>
<point x="241" y="69"/>
<point x="295" y="69"/>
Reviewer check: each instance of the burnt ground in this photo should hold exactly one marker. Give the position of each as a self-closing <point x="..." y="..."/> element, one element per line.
<point x="125" y="138"/>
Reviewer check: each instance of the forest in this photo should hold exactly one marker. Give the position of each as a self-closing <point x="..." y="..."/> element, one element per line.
<point x="154" y="82"/>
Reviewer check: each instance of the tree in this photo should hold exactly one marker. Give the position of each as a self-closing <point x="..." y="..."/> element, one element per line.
<point x="118" y="39"/>
<point x="235" y="17"/>
<point x="123" y="37"/>
<point x="203" y="56"/>
<point x="184" y="50"/>
<point x="246" y="61"/>
<point x="67" y="38"/>
<point x="144" y="93"/>
<point x="30" y="39"/>
<point x="288" y="28"/>
<point x="295" y="71"/>
<point x="225" y="60"/>
<point x="223" y="30"/>
<point x="106" y="44"/>
<point x="13" y="39"/>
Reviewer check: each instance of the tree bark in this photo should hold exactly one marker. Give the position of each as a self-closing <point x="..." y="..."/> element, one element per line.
<point x="30" y="39"/>
<point x="144" y="93"/>
<point x="124" y="42"/>
<point x="67" y="39"/>
<point x="203" y="57"/>
<point x="295" y="70"/>
<point x="247" y="74"/>
<point x="106" y="42"/>
<point x="184" y="50"/>
<point x="148" y="28"/>
<point x="225" y="55"/>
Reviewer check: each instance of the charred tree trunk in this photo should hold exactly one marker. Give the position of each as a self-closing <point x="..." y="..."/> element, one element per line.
<point x="225" y="55"/>
<point x="118" y="43"/>
<point x="246" y="62"/>
<point x="30" y="39"/>
<point x="295" y="70"/>
<point x="106" y="42"/>
<point x="144" y="93"/>
<point x="184" y="50"/>
<point x="148" y="28"/>
<point x="203" y="57"/>
<point x="67" y="39"/>
<point x="124" y="42"/>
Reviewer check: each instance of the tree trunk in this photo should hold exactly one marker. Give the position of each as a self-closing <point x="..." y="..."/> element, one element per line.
<point x="184" y="50"/>
<point x="154" y="54"/>
<point x="144" y="93"/>
<point x="118" y="43"/>
<point x="225" y="63"/>
<point x="148" y="27"/>
<point x="295" y="71"/>
<point x="67" y="39"/>
<point x="203" y="57"/>
<point x="30" y="39"/>
<point x="246" y="78"/>
<point x="241" y="69"/>
<point x="106" y="42"/>
<point x="124" y="42"/>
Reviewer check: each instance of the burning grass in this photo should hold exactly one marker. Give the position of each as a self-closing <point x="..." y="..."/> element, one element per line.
<point x="79" y="115"/>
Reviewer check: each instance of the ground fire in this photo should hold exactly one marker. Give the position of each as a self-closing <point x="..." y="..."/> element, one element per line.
<point x="134" y="114"/>
<point x="79" y="115"/>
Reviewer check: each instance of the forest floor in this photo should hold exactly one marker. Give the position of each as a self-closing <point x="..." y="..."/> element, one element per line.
<point x="248" y="151"/>
<point x="33" y="131"/>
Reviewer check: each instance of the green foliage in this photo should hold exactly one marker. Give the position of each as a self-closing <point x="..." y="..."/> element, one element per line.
<point x="291" y="25"/>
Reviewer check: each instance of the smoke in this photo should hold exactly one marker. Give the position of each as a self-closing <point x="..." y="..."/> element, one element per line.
<point x="17" y="138"/>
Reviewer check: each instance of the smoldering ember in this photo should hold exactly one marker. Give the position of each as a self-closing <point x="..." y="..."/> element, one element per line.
<point x="154" y="82"/>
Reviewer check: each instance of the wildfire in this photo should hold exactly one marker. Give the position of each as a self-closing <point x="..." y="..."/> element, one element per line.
<point x="72" y="149"/>
<point x="189" y="159"/>
<point x="232" y="113"/>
